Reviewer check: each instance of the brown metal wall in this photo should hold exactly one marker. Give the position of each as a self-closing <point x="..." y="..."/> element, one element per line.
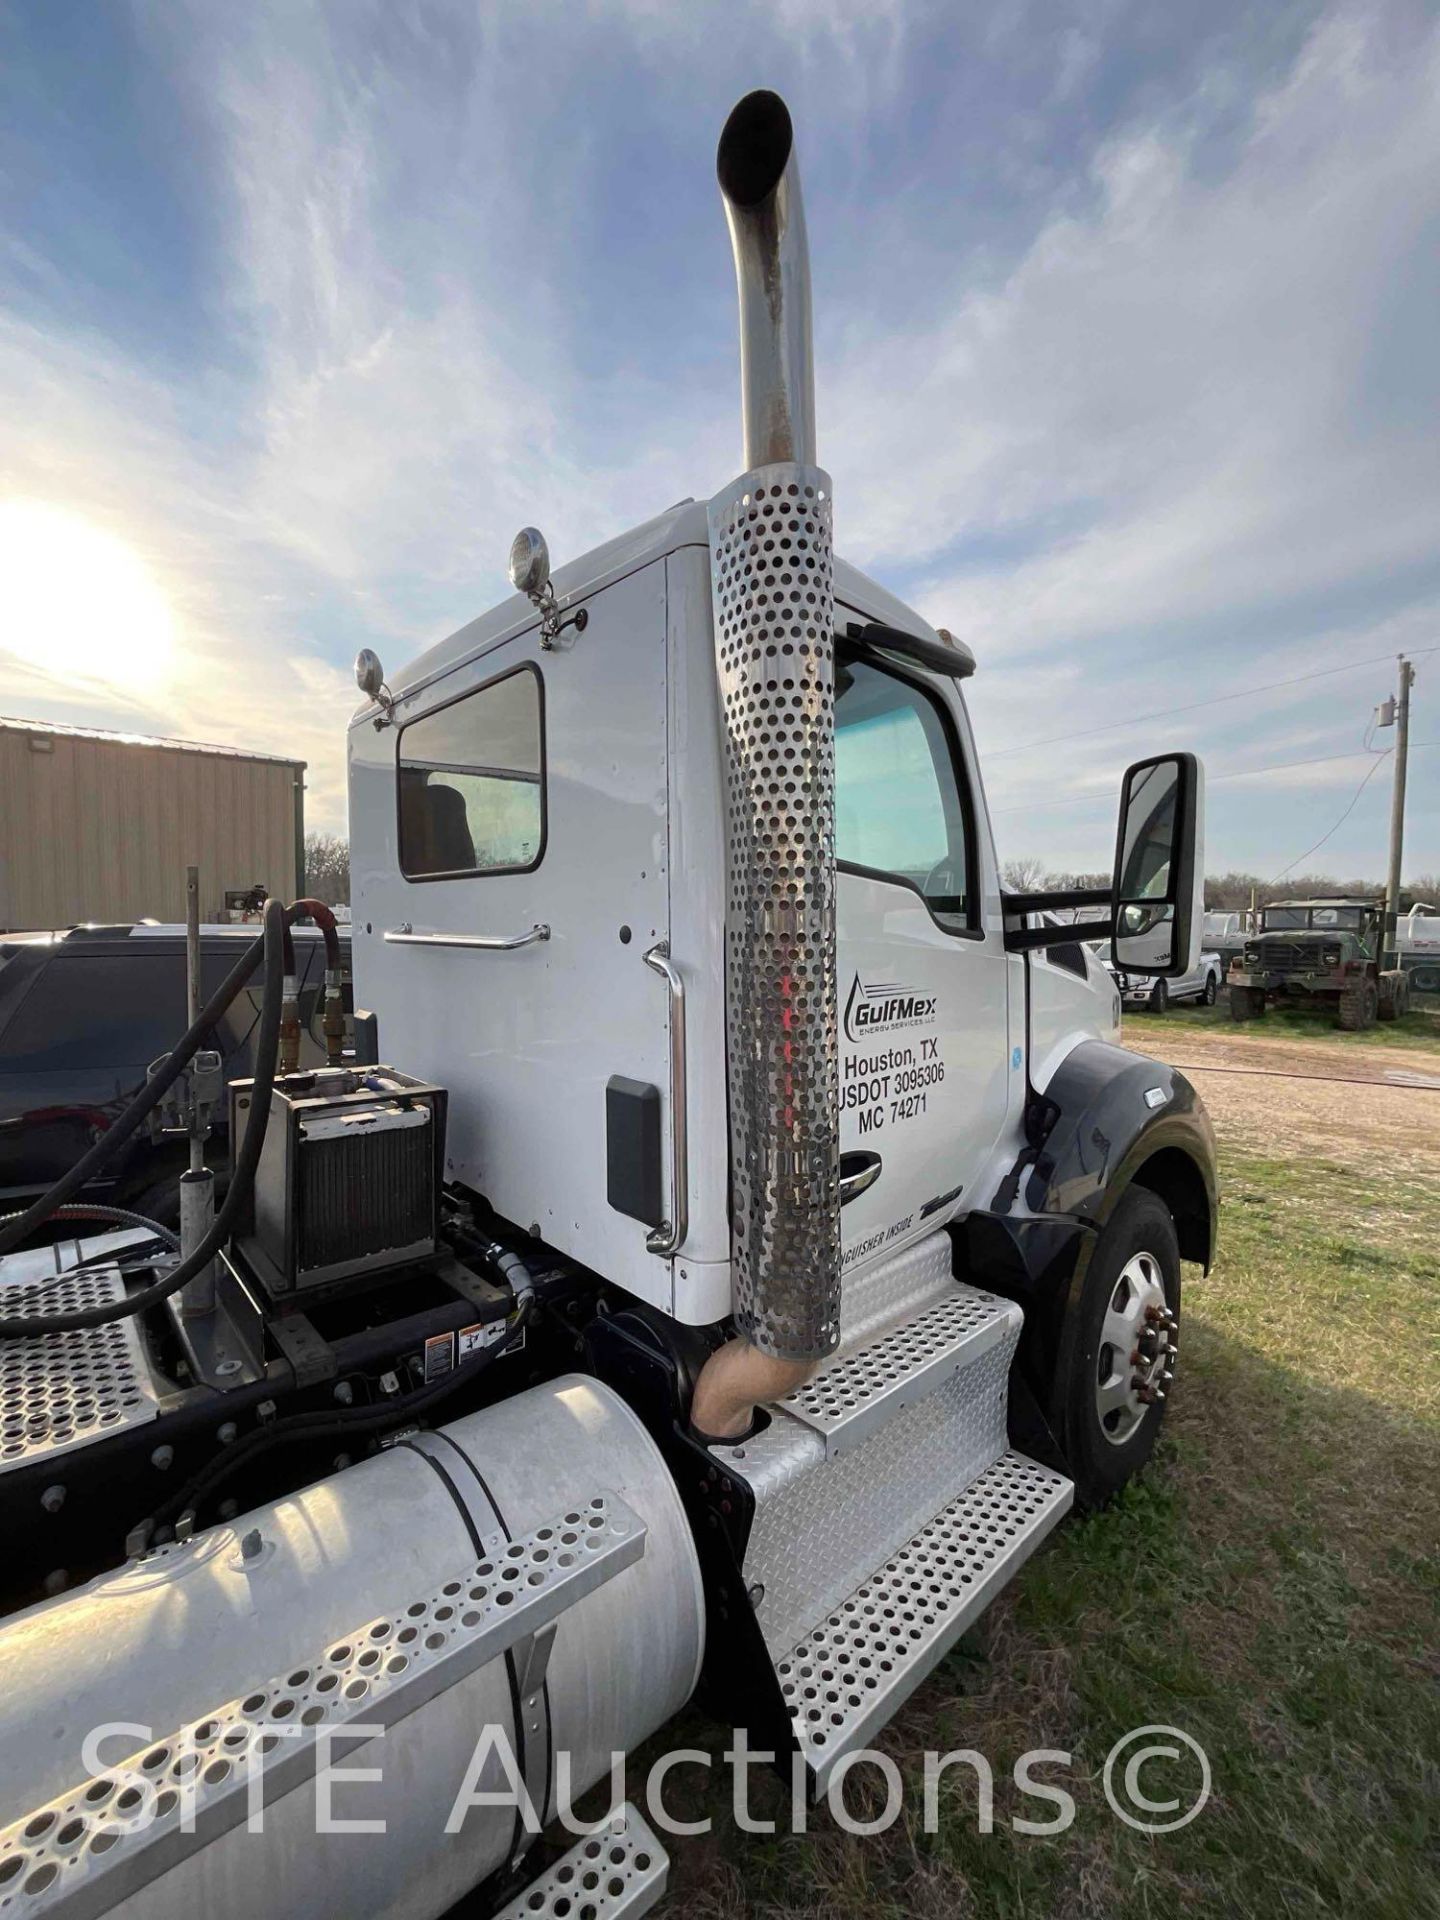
<point x="103" y="829"/>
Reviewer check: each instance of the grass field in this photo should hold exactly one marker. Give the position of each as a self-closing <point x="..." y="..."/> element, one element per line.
<point x="1418" y="1029"/>
<point x="1269" y="1587"/>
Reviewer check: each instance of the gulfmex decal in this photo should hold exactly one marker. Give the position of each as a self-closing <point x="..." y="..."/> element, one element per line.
<point x="872" y="1007"/>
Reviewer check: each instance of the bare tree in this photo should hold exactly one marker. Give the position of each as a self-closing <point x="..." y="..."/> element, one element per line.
<point x="1022" y="876"/>
<point x="327" y="868"/>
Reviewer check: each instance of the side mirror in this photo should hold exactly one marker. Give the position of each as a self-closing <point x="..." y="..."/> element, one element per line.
<point x="1157" y="894"/>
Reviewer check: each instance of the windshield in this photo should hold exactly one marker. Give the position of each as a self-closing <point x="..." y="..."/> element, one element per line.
<point x="1350" y="918"/>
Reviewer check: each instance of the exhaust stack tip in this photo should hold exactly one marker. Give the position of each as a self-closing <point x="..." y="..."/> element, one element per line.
<point x="760" y="186"/>
<point x="755" y="148"/>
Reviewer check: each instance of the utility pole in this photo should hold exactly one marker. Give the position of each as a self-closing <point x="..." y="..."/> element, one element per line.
<point x="1391" y="956"/>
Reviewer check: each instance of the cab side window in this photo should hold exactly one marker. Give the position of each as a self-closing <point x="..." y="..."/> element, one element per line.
<point x="472" y="783"/>
<point x="901" y="811"/>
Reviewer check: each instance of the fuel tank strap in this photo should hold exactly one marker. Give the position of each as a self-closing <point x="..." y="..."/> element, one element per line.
<point x="526" y="1667"/>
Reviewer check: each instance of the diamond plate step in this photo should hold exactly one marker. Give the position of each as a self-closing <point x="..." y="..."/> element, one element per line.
<point x="59" y="1391"/>
<point x="620" y="1871"/>
<point x="857" y="1392"/>
<point x="851" y="1674"/>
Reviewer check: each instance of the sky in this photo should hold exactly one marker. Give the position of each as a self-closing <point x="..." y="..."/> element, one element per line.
<point x="1126" y="331"/>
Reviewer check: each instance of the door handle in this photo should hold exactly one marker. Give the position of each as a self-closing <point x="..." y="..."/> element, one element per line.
<point x="403" y="936"/>
<point x="858" y="1173"/>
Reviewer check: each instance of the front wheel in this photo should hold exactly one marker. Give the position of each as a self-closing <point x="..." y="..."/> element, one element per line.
<point x="1358" y="1006"/>
<point x="1119" y="1348"/>
<point x="1211" y="990"/>
<point x="1246" y="1003"/>
<point x="1159" y="996"/>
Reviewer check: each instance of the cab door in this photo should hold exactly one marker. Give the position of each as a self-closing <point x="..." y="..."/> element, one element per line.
<point x="515" y="823"/>
<point x="925" y="1064"/>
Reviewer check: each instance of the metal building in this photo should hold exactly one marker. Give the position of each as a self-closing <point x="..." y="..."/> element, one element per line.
<point x="101" y="826"/>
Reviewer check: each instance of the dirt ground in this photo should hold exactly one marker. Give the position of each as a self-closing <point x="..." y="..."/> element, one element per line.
<point x="1284" y="1095"/>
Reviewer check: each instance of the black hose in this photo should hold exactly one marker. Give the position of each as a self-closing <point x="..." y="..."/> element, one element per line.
<point x="339" y="1422"/>
<point x="21" y="1225"/>
<point x="22" y="1326"/>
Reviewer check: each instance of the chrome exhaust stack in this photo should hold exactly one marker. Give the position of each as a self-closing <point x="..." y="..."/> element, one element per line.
<point x="760" y="185"/>
<point x="774" y="619"/>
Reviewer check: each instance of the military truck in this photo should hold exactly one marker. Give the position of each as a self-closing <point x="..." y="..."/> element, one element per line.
<point x="1309" y="953"/>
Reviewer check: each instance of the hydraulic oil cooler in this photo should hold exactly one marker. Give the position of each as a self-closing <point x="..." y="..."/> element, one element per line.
<point x="349" y="1178"/>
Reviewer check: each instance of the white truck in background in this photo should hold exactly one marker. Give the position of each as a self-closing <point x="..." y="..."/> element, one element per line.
<point x="752" y="1243"/>
<point x="1155" y="992"/>
<point x="1417" y="943"/>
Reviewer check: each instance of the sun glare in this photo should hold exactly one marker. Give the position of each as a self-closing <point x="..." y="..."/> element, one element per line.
<point x="77" y="601"/>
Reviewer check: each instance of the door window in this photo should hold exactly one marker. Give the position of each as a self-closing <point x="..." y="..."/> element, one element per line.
<point x="472" y="783"/>
<point x="900" y="808"/>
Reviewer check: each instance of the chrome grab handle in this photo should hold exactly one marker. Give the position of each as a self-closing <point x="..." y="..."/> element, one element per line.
<point x="402" y="936"/>
<point x="669" y="1236"/>
<point x="858" y="1173"/>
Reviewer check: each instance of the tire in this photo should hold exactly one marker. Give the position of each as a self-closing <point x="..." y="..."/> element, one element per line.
<point x="1212" y="990"/>
<point x="1159" y="996"/>
<point x="1394" y="995"/>
<point x="1246" y="1003"/>
<point x="1359" y="1007"/>
<point x="1136" y="1254"/>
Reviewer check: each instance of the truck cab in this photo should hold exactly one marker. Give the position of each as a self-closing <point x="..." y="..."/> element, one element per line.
<point x="534" y="826"/>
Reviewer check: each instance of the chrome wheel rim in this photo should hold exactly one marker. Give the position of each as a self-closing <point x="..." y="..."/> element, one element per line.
<point x="1138" y="1346"/>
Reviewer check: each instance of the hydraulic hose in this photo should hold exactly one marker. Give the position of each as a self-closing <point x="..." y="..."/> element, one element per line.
<point x="19" y="1226"/>
<point x="22" y="1326"/>
<point x="341" y="1421"/>
<point x="333" y="1022"/>
<point x="324" y="918"/>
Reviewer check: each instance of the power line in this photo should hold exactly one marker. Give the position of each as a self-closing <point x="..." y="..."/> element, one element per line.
<point x="1073" y="799"/>
<point x="1194" y="706"/>
<point x="1379" y="761"/>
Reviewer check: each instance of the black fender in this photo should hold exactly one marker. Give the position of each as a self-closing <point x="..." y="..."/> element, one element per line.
<point x="1116" y="1117"/>
<point x="1108" y="1120"/>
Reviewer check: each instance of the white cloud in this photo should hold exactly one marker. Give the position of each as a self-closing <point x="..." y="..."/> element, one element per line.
<point x="1185" y="371"/>
<point x="1198" y="394"/>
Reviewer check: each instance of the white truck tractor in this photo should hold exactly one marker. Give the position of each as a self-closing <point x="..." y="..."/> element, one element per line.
<point x="733" y="1242"/>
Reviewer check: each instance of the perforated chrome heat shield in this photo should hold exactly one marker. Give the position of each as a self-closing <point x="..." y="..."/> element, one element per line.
<point x="774" y="603"/>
